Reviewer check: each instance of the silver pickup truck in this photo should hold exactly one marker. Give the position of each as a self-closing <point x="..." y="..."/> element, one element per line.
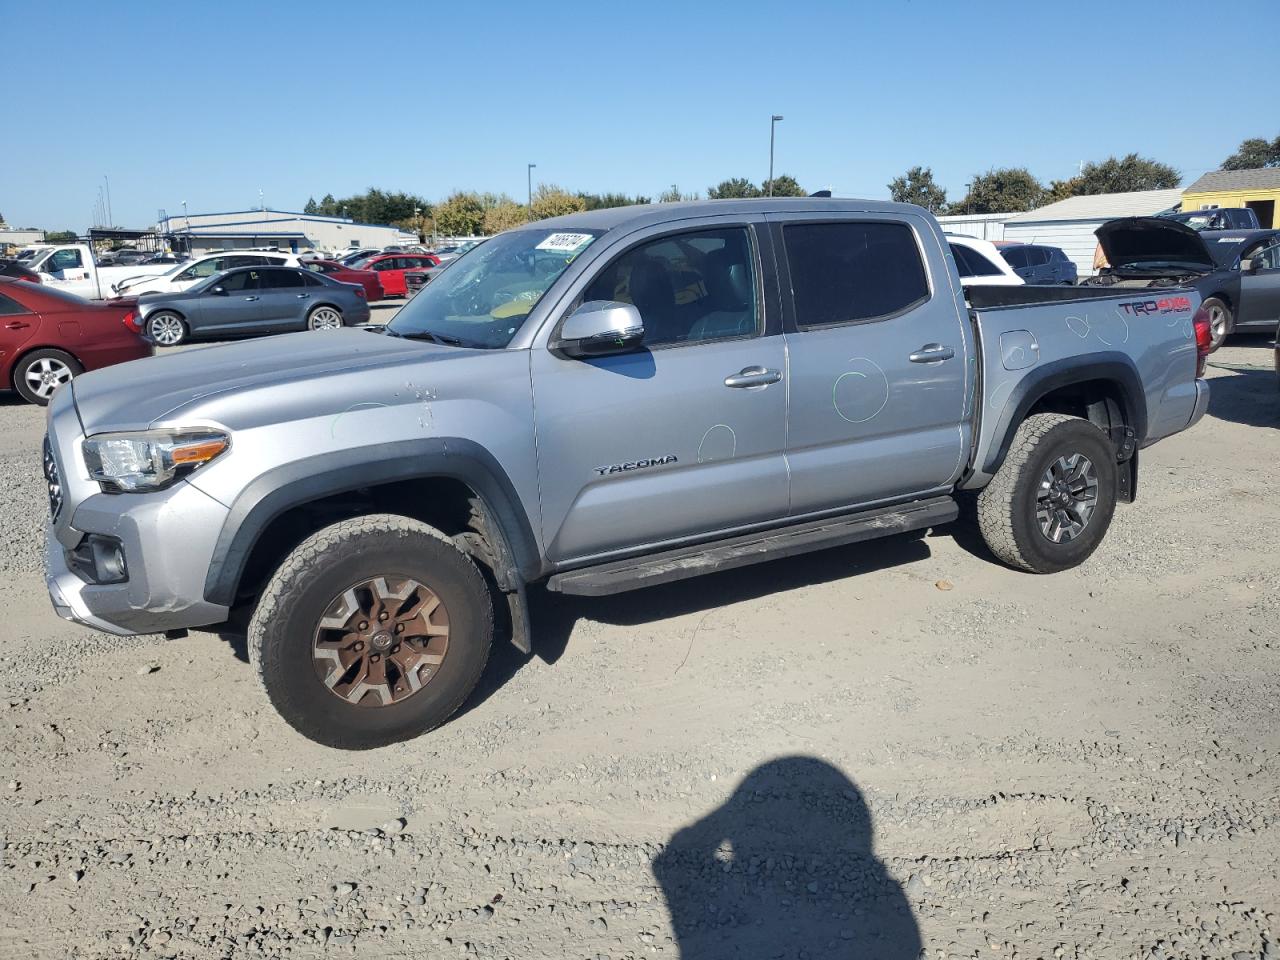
<point x="597" y="403"/>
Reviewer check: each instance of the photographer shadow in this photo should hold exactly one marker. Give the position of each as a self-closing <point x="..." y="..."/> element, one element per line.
<point x="785" y="868"/>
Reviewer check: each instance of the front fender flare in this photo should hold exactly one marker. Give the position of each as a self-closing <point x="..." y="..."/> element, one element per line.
<point x="291" y="485"/>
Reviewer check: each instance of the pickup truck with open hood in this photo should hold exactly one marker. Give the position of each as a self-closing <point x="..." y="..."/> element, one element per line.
<point x="596" y="403"/>
<point x="1236" y="272"/>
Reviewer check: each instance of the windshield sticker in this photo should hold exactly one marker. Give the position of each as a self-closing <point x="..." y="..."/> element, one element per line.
<point x="565" y="242"/>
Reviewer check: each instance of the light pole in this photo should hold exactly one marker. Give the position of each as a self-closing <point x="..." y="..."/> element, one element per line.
<point x="529" y="187"/>
<point x="186" y="222"/>
<point x="110" y="219"/>
<point x="773" y="122"/>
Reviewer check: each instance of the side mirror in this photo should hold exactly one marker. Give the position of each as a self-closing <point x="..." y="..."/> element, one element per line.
<point x="219" y="291"/>
<point x="1249" y="265"/>
<point x="600" y="327"/>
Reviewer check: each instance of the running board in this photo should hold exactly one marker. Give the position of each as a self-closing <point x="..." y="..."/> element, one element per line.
<point x="740" y="551"/>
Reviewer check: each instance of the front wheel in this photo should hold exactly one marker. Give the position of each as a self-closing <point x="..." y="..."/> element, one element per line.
<point x="324" y="318"/>
<point x="1051" y="502"/>
<point x="166" y="328"/>
<point x="1220" y="321"/>
<point x="372" y="631"/>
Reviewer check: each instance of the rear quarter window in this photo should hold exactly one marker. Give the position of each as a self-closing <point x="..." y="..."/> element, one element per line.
<point x="853" y="272"/>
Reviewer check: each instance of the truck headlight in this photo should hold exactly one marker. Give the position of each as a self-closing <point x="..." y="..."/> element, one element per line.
<point x="151" y="459"/>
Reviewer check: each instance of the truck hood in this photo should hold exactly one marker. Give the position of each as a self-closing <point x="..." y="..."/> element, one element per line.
<point x="1137" y="241"/>
<point x="245" y="384"/>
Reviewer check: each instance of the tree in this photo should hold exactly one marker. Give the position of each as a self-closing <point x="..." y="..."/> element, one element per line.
<point x="60" y="236"/>
<point x="311" y="206"/>
<point x="504" y="215"/>
<point x="1008" y="190"/>
<point x="461" y="215"/>
<point x="917" y="186"/>
<point x="551" y="201"/>
<point x="738" y="188"/>
<point x="673" y="195"/>
<point x="783" y="186"/>
<point x="1253" y="153"/>
<point x="603" y="201"/>
<point x="329" y="207"/>
<point x="1126" y="174"/>
<point x="1062" y="189"/>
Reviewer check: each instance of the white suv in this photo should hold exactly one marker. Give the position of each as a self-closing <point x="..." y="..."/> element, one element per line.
<point x="980" y="264"/>
<point x="186" y="275"/>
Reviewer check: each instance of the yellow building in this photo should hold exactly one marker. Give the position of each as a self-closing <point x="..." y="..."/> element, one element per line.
<point x="1257" y="189"/>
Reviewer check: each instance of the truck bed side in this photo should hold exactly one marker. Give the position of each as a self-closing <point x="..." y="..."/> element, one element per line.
<point x="1064" y="348"/>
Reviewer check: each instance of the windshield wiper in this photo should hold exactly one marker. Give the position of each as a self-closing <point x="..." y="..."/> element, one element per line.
<point x="435" y="338"/>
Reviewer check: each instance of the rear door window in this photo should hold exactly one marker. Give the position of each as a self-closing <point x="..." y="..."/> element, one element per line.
<point x="10" y="307"/>
<point x="277" y="279"/>
<point x="853" y="272"/>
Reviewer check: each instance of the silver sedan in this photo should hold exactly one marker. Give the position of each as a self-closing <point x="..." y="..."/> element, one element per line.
<point x="252" y="300"/>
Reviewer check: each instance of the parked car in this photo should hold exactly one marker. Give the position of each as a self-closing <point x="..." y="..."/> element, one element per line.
<point x="351" y="257"/>
<point x="183" y="277"/>
<point x="336" y="271"/>
<point x="979" y="262"/>
<point x="1236" y="272"/>
<point x="47" y="337"/>
<point x="16" y="269"/>
<point x="1039" y="264"/>
<point x="390" y="268"/>
<point x="700" y="406"/>
<point x="454" y="251"/>
<point x="252" y="300"/>
<point x="1219" y="218"/>
<point x="72" y="268"/>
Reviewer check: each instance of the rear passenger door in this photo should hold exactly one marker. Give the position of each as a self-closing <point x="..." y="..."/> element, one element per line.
<point x="877" y="361"/>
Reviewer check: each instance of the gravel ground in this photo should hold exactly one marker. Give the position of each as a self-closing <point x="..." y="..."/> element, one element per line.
<point x="894" y="750"/>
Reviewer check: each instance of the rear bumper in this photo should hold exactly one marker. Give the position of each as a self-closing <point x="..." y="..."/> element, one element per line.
<point x="1202" y="402"/>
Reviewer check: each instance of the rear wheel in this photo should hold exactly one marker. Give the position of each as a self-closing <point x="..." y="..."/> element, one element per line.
<point x="324" y="318"/>
<point x="1221" y="322"/>
<point x="166" y="328"/>
<point x="372" y="631"/>
<point x="1051" y="502"/>
<point x="37" y="375"/>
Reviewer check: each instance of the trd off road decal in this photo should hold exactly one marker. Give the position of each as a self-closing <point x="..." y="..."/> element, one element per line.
<point x="1150" y="308"/>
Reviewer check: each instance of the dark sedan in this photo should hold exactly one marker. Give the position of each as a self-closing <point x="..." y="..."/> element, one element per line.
<point x="252" y="300"/>
<point x="48" y="336"/>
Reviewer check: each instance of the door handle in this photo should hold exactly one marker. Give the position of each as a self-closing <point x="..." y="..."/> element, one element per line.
<point x="302" y="296"/>
<point x="753" y="377"/>
<point x="16" y="325"/>
<point x="932" y="353"/>
<point x="251" y="298"/>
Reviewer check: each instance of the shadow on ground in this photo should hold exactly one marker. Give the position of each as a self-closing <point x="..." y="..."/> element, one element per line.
<point x="1245" y="394"/>
<point x="785" y="868"/>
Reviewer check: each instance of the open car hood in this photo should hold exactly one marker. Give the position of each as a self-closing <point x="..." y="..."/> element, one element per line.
<point x="1133" y="241"/>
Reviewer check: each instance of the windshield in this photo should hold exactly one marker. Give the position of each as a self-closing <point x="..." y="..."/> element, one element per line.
<point x="485" y="295"/>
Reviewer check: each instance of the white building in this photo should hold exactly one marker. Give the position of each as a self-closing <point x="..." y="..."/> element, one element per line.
<point x="298" y="232"/>
<point x="1069" y="224"/>
<point x="18" y="238"/>
<point x="984" y="226"/>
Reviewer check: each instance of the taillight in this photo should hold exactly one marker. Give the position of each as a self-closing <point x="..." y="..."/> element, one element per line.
<point x="360" y="292"/>
<point x="1204" y="338"/>
<point x="132" y="321"/>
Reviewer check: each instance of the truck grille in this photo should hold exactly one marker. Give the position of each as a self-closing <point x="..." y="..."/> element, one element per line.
<point x="53" y="480"/>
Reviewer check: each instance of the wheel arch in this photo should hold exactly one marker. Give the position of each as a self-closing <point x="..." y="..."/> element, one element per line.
<point x="442" y="481"/>
<point x="27" y="350"/>
<point x="1103" y="388"/>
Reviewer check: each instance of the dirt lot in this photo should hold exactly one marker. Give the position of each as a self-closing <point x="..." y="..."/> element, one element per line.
<point x="868" y="752"/>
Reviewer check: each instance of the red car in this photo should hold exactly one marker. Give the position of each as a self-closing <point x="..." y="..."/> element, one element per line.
<point x="390" y="268"/>
<point x="344" y="274"/>
<point x="48" y="336"/>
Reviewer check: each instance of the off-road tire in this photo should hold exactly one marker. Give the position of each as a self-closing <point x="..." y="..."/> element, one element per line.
<point x="282" y="629"/>
<point x="1225" y="324"/>
<point x="1007" y="506"/>
<point x="29" y="365"/>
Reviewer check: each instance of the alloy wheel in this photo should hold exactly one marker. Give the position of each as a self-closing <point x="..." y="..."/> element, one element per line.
<point x="381" y="641"/>
<point x="166" y="329"/>
<point x="326" y="318"/>
<point x="46" y="375"/>
<point x="1217" y="324"/>
<point x="1067" y="497"/>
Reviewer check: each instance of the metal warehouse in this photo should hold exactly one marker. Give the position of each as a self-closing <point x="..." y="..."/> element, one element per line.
<point x="242" y="229"/>
<point x="1069" y="224"/>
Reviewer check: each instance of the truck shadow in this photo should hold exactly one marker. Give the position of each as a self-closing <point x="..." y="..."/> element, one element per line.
<point x="1245" y="394"/>
<point x="785" y="867"/>
<point x="553" y="616"/>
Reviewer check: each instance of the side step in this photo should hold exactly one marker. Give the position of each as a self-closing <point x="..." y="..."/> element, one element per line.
<point x="739" y="551"/>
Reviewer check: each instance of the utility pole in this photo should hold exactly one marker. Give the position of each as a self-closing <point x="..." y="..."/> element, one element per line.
<point x="111" y="222"/>
<point x="773" y="122"/>
<point x="529" y="187"/>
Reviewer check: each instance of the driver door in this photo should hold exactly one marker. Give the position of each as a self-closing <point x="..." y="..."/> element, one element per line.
<point x="671" y="441"/>
<point x="1260" y="290"/>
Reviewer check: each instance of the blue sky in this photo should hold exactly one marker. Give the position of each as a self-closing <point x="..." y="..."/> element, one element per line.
<point x="211" y="103"/>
